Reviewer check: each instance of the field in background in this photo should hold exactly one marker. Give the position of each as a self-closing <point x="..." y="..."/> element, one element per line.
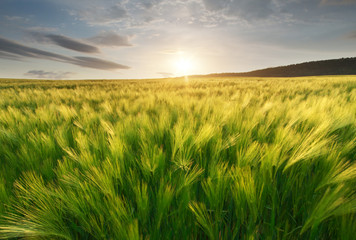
<point x="223" y="158"/>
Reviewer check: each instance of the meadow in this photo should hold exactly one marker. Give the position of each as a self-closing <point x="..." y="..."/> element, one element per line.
<point x="198" y="158"/>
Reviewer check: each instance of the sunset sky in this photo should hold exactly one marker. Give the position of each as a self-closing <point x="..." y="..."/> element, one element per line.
<point x="81" y="39"/>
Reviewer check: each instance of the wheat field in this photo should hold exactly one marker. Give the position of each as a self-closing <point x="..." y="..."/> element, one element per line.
<point x="197" y="158"/>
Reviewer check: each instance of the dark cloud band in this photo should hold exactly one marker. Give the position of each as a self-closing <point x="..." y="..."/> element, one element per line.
<point x="65" y="42"/>
<point x="110" y="39"/>
<point x="17" y="50"/>
<point x="48" y="75"/>
<point x="97" y="63"/>
<point x="72" y="44"/>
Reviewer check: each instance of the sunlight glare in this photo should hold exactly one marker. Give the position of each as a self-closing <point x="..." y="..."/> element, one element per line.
<point x="184" y="65"/>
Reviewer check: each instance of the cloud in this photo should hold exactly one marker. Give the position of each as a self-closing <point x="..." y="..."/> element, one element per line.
<point x="18" y="50"/>
<point x="166" y="74"/>
<point x="97" y="63"/>
<point x="216" y="5"/>
<point x="16" y="19"/>
<point x="129" y="13"/>
<point x="9" y="56"/>
<point x="41" y="29"/>
<point x="172" y="52"/>
<point x="337" y="2"/>
<point x="274" y="11"/>
<point x="149" y="4"/>
<point x="101" y="15"/>
<point x="65" y="42"/>
<point x="245" y="9"/>
<point x="140" y="13"/>
<point x="110" y="39"/>
<point x="48" y="75"/>
<point x="351" y="35"/>
<point x="209" y="13"/>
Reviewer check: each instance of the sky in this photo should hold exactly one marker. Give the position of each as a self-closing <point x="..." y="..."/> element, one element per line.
<point x="125" y="39"/>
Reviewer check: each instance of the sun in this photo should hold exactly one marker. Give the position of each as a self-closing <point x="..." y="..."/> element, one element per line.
<point x="184" y="65"/>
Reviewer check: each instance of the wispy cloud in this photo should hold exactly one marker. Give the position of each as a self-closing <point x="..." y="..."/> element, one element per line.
<point x="243" y="10"/>
<point x="99" y="15"/>
<point x="48" y="75"/>
<point x="166" y="74"/>
<point x="65" y="42"/>
<point x="97" y="63"/>
<point x="148" y="4"/>
<point x="337" y="2"/>
<point x="9" y="56"/>
<point x="16" y="19"/>
<point x="351" y="35"/>
<point x="20" y="51"/>
<point x="209" y="13"/>
<point x="41" y="29"/>
<point x="110" y="39"/>
<point x="172" y="52"/>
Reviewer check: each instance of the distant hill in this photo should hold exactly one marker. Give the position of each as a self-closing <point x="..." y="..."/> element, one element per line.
<point x="343" y="66"/>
